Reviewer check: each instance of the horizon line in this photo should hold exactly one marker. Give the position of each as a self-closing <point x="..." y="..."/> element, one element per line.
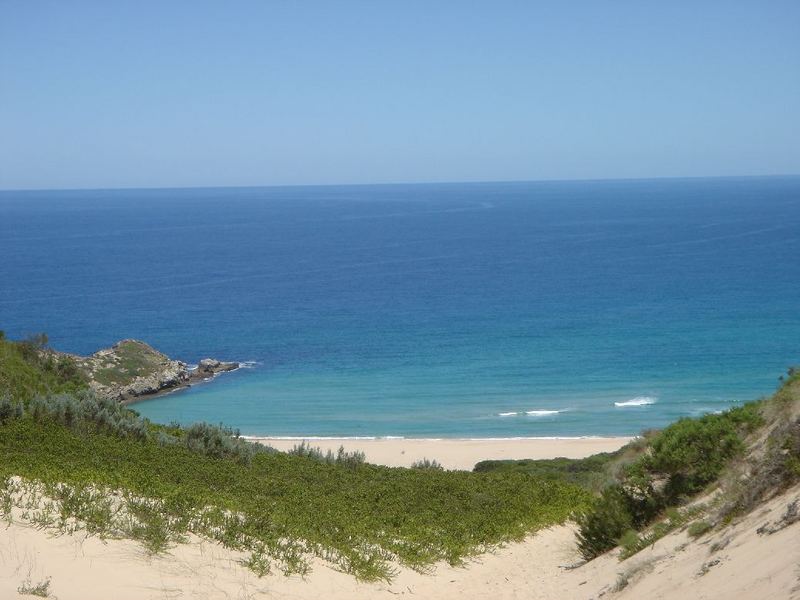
<point x="397" y="183"/>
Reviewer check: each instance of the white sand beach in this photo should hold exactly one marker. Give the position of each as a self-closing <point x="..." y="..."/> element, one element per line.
<point x="461" y="454"/>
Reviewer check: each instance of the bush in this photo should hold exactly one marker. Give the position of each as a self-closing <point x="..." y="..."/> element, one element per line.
<point x="219" y="442"/>
<point x="84" y="411"/>
<point x="698" y="528"/>
<point x="340" y="457"/>
<point x="9" y="409"/>
<point x="693" y="452"/>
<point x="629" y="542"/>
<point x="604" y="523"/>
<point x="425" y="463"/>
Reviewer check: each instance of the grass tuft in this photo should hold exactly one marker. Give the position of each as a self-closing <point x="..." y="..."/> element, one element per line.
<point x="41" y="589"/>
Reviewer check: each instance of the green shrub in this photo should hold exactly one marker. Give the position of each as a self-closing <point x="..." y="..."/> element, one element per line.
<point x="219" y="442"/>
<point x="341" y="457"/>
<point x="430" y="464"/>
<point x="629" y="542"/>
<point x="604" y="523"/>
<point x="691" y="453"/>
<point x="84" y="411"/>
<point x="9" y="409"/>
<point x="698" y="528"/>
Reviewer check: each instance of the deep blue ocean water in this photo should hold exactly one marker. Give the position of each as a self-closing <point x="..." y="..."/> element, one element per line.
<point x="462" y="310"/>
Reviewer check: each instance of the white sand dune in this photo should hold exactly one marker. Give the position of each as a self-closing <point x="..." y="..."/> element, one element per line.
<point x="749" y="566"/>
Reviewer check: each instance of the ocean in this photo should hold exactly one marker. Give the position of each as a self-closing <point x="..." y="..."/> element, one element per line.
<point x="480" y="310"/>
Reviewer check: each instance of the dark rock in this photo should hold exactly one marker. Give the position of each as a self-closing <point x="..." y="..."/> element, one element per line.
<point x="212" y="366"/>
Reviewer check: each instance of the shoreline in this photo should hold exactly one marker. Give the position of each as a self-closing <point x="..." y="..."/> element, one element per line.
<point x="452" y="453"/>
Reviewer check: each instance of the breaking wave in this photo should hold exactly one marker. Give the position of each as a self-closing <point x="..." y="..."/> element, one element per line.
<point x="542" y="413"/>
<point x="638" y="401"/>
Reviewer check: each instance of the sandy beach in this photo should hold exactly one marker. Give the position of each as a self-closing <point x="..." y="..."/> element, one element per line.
<point x="457" y="454"/>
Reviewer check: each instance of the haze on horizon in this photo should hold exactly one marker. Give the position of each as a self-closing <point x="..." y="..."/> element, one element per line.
<point x="151" y="94"/>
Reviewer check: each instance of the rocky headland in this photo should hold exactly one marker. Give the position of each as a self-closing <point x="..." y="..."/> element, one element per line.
<point x="132" y="370"/>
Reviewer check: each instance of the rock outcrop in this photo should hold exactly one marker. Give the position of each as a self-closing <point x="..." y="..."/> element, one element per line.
<point x="209" y="367"/>
<point x="132" y="370"/>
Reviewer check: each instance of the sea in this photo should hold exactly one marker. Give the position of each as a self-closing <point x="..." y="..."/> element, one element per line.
<point x="463" y="310"/>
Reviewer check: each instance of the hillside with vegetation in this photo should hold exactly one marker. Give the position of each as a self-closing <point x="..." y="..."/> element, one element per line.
<point x="28" y="369"/>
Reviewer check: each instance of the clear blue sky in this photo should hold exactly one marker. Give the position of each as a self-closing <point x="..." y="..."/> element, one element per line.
<point x="173" y="93"/>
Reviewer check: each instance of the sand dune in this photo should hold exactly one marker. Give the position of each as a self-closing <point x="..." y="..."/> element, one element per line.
<point x="747" y="566"/>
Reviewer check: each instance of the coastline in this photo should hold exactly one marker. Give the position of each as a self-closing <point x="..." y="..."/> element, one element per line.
<point x="453" y="453"/>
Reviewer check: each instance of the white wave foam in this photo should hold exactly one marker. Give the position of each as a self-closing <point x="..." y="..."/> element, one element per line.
<point x="542" y="413"/>
<point x="507" y="414"/>
<point x="638" y="401"/>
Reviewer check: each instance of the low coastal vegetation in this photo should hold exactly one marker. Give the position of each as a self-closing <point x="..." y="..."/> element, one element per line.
<point x="593" y="472"/>
<point x="72" y="461"/>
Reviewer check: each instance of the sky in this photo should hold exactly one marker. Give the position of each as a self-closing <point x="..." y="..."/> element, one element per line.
<point x="192" y="93"/>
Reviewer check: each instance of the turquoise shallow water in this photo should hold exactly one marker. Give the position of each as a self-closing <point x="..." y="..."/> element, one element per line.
<point x="457" y="310"/>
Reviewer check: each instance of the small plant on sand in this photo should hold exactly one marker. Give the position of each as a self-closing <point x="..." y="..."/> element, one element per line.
<point x="258" y="563"/>
<point x="622" y="582"/>
<point x="150" y="524"/>
<point x="699" y="528"/>
<point x="41" y="589"/>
